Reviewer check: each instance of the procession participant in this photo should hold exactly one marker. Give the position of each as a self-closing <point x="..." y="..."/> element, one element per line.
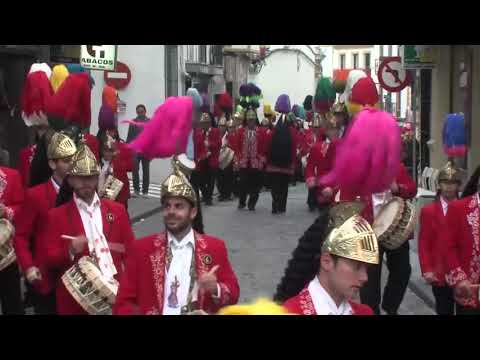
<point x="112" y="164"/>
<point x="329" y="265"/>
<point x="225" y="171"/>
<point x="320" y="162"/>
<point x="281" y="148"/>
<point x="177" y="271"/>
<point x="11" y="202"/>
<point x="430" y="244"/>
<point x="250" y="152"/>
<point x="250" y="157"/>
<point x="31" y="222"/>
<point x="85" y="225"/>
<point x="207" y="151"/>
<point x="461" y="248"/>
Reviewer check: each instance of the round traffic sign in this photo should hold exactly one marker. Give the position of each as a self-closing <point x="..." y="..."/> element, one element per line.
<point x="119" y="78"/>
<point x="391" y="74"/>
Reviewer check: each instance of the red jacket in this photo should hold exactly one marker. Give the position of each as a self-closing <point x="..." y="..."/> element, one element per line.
<point x="302" y="304"/>
<point x="11" y="193"/>
<point x="201" y="152"/>
<point x="462" y="244"/>
<point x="407" y="190"/>
<point x="430" y="241"/>
<point x="272" y="168"/>
<point x="142" y="285"/>
<point x="66" y="220"/>
<point x="31" y="222"/>
<point x="319" y="163"/>
<point x="311" y="138"/>
<point x="24" y="160"/>
<point x="122" y="164"/>
<point x="93" y="144"/>
<point x="257" y="160"/>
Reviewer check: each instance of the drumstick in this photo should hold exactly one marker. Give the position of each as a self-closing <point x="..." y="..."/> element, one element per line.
<point x="66" y="237"/>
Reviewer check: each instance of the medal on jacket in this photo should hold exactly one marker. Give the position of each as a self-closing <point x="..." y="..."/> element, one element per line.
<point x="173" y="298"/>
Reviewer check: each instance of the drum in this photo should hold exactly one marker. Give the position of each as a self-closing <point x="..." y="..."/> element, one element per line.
<point x="88" y="287"/>
<point x="111" y="188"/>
<point x="184" y="164"/>
<point x="226" y="157"/>
<point x="7" y="252"/>
<point x="394" y="223"/>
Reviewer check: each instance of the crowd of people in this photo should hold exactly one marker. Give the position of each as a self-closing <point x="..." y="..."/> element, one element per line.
<point x="66" y="228"/>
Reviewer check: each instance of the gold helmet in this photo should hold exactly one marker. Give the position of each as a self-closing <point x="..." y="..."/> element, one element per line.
<point x="339" y="108"/>
<point x="352" y="238"/>
<point x="317" y="120"/>
<point x="110" y="143"/>
<point x="331" y="122"/>
<point x="205" y="118"/>
<point x="450" y="173"/>
<point x="60" y="147"/>
<point x="222" y="121"/>
<point x="177" y="185"/>
<point x="84" y="162"/>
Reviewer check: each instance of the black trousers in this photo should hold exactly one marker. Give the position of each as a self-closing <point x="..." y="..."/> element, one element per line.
<point x="225" y="182"/>
<point x="10" y="291"/>
<point x="279" y="189"/>
<point x="398" y="264"/>
<point x="444" y="300"/>
<point x="266" y="180"/>
<point x="250" y="185"/>
<point x="236" y="183"/>
<point x="43" y="304"/>
<point x="207" y="181"/>
<point x="312" y="198"/>
<point x="462" y="310"/>
<point x="145" y="174"/>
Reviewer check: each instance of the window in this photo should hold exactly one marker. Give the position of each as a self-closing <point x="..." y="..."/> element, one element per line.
<point x="171" y="70"/>
<point x="355" y="61"/>
<point x="367" y="60"/>
<point x="191" y="54"/>
<point x="216" y="55"/>
<point x="342" y="61"/>
<point x="203" y="54"/>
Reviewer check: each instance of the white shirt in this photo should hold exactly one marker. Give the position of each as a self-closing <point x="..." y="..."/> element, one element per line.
<point x="444" y="205"/>
<point x="182" y="253"/>
<point x="97" y="243"/>
<point x="55" y="185"/>
<point x="323" y="302"/>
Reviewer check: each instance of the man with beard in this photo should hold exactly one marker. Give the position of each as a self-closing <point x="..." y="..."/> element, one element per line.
<point x="85" y="225"/>
<point x="177" y="271"/>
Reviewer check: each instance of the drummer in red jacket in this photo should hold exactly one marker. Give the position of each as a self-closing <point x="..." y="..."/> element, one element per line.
<point x="177" y="271"/>
<point x="430" y="240"/>
<point x="112" y="163"/>
<point x="84" y="225"/>
<point x="320" y="162"/>
<point x="207" y="143"/>
<point x="329" y="265"/>
<point x="31" y="223"/>
<point x="398" y="260"/>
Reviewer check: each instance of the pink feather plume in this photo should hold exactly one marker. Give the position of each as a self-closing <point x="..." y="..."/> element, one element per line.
<point x="367" y="160"/>
<point x="166" y="133"/>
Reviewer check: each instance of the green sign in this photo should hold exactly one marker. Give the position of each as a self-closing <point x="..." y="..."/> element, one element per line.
<point x="418" y="56"/>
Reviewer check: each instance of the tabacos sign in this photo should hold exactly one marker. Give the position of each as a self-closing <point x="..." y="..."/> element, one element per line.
<point x="98" y="57"/>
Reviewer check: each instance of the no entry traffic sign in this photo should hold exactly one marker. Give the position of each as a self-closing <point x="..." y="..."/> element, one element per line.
<point x="119" y="78"/>
<point x="391" y="74"/>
